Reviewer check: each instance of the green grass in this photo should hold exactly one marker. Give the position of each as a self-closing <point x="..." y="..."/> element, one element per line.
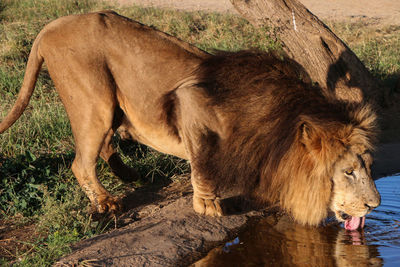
<point x="377" y="48"/>
<point x="37" y="186"/>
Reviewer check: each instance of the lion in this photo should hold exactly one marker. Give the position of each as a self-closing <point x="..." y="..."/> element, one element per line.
<point x="249" y="122"/>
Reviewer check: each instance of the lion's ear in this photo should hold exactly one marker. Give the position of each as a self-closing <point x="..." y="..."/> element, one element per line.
<point x="305" y="131"/>
<point x="309" y="135"/>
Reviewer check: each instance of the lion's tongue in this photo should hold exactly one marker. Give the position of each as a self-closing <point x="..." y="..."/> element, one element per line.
<point x="354" y="223"/>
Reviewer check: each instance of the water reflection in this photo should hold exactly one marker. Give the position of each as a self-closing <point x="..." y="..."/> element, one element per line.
<point x="277" y="241"/>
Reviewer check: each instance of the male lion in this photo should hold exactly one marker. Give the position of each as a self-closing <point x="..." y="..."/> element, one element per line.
<point x="244" y="120"/>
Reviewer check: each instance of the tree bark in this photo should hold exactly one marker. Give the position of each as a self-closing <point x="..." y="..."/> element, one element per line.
<point x="307" y="40"/>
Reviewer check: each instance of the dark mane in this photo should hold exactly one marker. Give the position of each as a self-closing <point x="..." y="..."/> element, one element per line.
<point x="232" y="74"/>
<point x="268" y="100"/>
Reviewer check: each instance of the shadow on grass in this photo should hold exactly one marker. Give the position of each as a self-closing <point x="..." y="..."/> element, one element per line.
<point x="2" y="8"/>
<point x="391" y="84"/>
<point x="25" y="176"/>
<point x="155" y="169"/>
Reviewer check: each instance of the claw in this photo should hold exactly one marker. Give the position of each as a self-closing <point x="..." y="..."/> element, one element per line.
<point x="109" y="204"/>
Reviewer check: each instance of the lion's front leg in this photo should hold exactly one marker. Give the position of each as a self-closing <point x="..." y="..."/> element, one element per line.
<point x="205" y="201"/>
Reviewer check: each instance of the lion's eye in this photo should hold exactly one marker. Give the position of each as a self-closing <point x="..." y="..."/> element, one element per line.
<point x="349" y="172"/>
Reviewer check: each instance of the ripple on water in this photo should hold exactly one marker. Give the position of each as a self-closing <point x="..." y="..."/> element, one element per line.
<point x="384" y="222"/>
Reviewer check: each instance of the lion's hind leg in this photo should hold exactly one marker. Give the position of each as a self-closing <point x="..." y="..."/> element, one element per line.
<point x="87" y="90"/>
<point x="108" y="154"/>
<point x="90" y="110"/>
<point x="88" y="146"/>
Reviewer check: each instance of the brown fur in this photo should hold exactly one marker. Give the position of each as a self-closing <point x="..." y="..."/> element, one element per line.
<point x="248" y="121"/>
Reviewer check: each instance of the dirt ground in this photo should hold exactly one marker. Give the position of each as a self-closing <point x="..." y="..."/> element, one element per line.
<point x="371" y="11"/>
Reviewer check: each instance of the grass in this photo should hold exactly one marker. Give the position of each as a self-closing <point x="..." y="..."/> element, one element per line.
<point x="37" y="186"/>
<point x="377" y="48"/>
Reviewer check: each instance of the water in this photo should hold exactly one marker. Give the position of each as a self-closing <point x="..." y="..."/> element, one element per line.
<point x="279" y="242"/>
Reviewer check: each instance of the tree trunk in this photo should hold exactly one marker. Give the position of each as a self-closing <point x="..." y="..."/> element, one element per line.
<point x="328" y="61"/>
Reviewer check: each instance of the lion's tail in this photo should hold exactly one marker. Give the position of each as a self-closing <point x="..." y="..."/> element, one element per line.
<point x="34" y="64"/>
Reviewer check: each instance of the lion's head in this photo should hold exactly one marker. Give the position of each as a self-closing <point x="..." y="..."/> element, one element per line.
<point x="354" y="193"/>
<point x="330" y="166"/>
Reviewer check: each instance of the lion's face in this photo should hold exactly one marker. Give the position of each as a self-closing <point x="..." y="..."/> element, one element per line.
<point x="354" y="192"/>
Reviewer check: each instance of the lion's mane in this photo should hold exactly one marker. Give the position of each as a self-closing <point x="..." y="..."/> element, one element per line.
<point x="284" y="135"/>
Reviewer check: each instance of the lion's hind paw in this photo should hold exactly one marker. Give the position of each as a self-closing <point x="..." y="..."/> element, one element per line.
<point x="108" y="205"/>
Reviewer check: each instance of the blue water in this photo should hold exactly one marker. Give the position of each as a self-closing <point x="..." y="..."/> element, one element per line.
<point x="279" y="242"/>
<point x="383" y="225"/>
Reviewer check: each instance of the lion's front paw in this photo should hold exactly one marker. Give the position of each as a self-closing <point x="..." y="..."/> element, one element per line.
<point x="210" y="207"/>
<point x="108" y="204"/>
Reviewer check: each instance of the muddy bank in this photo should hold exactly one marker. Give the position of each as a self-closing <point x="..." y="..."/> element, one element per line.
<point x="168" y="232"/>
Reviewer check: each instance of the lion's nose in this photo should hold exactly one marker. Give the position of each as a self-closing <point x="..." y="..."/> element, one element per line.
<point x="372" y="204"/>
<point x="373" y="201"/>
<point x="370" y="207"/>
